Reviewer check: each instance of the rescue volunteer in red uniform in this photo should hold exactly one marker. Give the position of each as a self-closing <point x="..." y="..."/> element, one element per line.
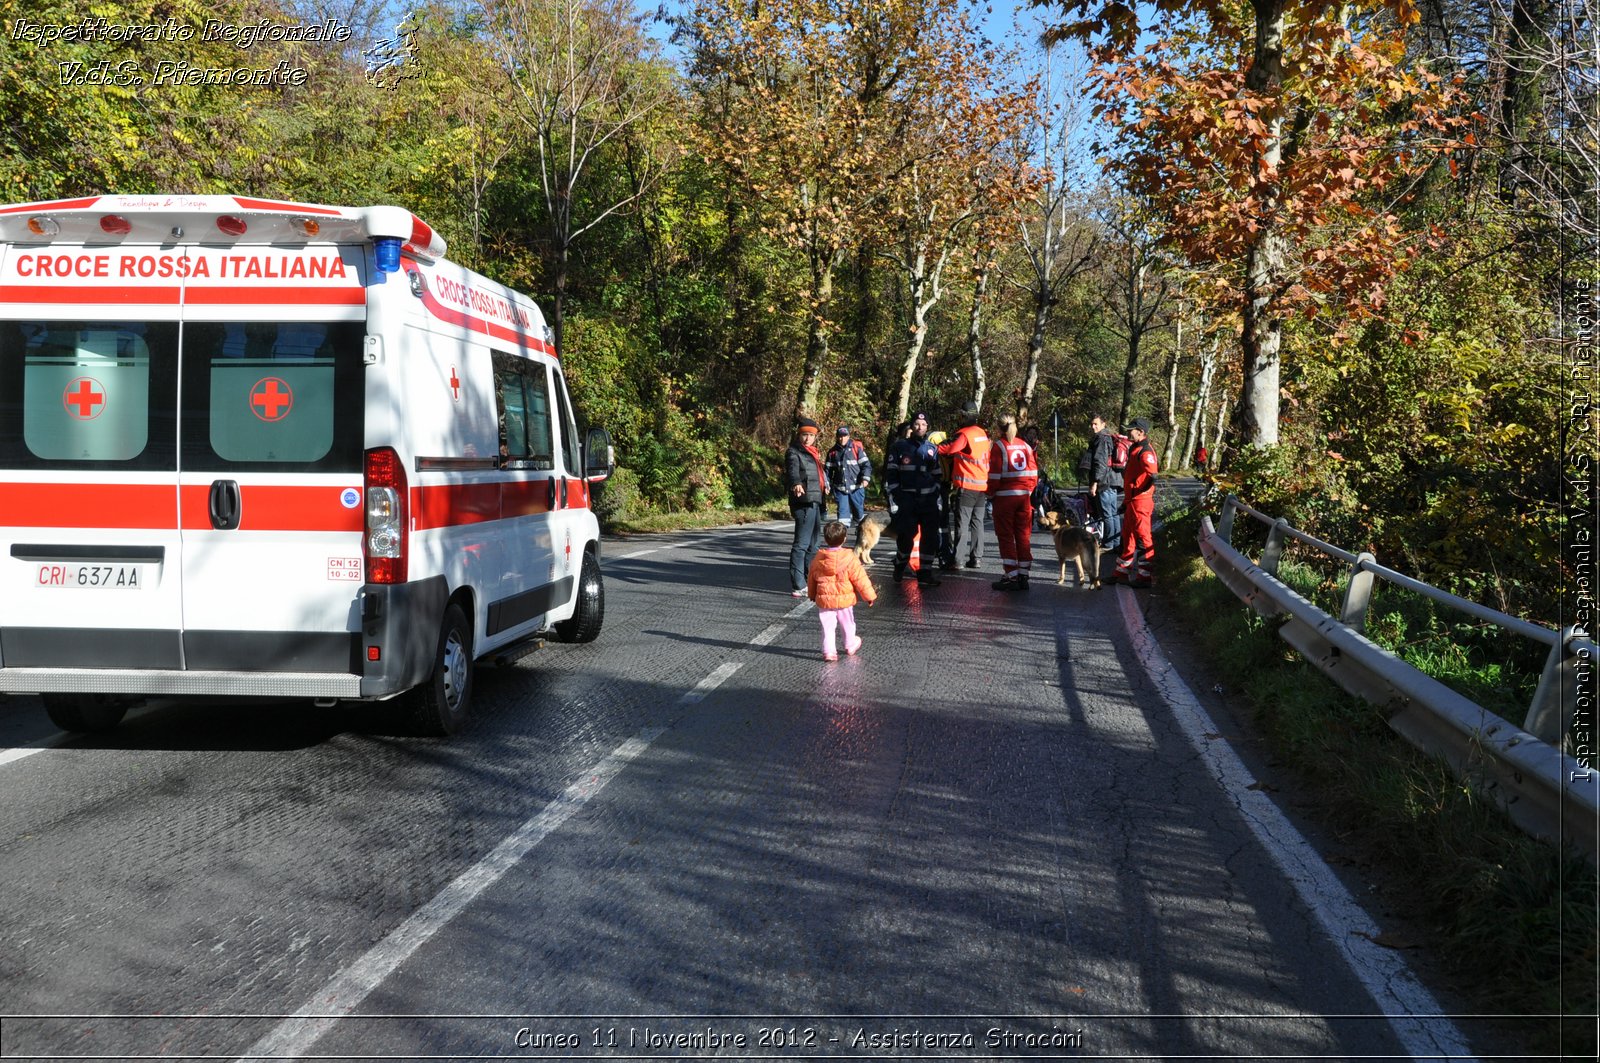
<point x="1139" y="487"/>
<point x="969" y="482"/>
<point x="1013" y="472"/>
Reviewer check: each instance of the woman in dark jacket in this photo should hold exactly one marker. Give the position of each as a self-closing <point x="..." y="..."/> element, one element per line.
<point x="807" y="488"/>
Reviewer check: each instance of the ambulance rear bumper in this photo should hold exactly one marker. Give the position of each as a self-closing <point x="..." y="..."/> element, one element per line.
<point x="152" y="682"/>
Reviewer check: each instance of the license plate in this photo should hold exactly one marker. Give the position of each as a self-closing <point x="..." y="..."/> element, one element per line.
<point x="94" y="577"/>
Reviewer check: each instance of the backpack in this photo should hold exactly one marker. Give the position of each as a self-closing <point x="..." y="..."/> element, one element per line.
<point x="1119" y="453"/>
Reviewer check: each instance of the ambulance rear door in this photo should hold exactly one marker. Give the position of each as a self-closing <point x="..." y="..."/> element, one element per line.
<point x="89" y="542"/>
<point x="271" y="459"/>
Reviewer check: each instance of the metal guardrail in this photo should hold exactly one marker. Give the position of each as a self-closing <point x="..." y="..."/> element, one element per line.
<point x="1545" y="791"/>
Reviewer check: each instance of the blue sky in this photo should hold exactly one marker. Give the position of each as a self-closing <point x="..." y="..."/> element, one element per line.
<point x="1010" y="21"/>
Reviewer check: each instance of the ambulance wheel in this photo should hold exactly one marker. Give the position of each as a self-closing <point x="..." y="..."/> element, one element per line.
<point x="87" y="713"/>
<point x="439" y="705"/>
<point x="584" y="624"/>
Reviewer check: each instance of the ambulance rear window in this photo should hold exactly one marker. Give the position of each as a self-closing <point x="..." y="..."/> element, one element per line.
<point x="88" y="395"/>
<point x="272" y="395"/>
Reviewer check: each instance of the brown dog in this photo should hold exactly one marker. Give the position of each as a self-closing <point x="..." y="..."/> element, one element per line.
<point x="866" y="539"/>
<point x="1076" y="544"/>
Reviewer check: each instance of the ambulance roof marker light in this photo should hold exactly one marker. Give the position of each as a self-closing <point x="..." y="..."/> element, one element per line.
<point x="306" y="227"/>
<point x="387" y="249"/>
<point x="42" y="226"/>
<point x="229" y="225"/>
<point x="116" y="225"/>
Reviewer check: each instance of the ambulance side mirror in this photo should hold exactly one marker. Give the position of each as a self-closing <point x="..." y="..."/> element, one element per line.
<point x="599" y="458"/>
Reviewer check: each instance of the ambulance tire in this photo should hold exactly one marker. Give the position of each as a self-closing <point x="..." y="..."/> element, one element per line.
<point x="85" y="713"/>
<point x="584" y="624"/>
<point x="439" y="706"/>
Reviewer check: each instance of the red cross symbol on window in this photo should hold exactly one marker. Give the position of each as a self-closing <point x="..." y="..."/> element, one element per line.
<point x="455" y="385"/>
<point x="81" y="398"/>
<point x="266" y="398"/>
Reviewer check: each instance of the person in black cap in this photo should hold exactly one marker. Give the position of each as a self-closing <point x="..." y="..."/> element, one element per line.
<point x="911" y="475"/>
<point x="1139" y="483"/>
<point x="807" y="488"/>
<point x="849" y="473"/>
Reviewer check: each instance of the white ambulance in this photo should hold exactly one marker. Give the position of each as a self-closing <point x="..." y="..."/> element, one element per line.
<point x="276" y="449"/>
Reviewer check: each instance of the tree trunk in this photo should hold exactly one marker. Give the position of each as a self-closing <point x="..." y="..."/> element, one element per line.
<point x="1255" y="420"/>
<point x="974" y="323"/>
<point x="558" y="320"/>
<point x="1521" y="104"/>
<point x="1202" y="396"/>
<point x="1129" y="373"/>
<point x="919" y="336"/>
<point x="1030" y="376"/>
<point x="1172" y="395"/>
<point x="816" y="335"/>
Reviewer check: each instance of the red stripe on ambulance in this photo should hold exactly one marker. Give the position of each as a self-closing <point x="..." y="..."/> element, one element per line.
<point x="276" y="296"/>
<point x="54" y="204"/>
<point x="275" y="507"/>
<point x="269" y="204"/>
<point x="451" y="505"/>
<point x="155" y="295"/>
<point x="143" y="506"/>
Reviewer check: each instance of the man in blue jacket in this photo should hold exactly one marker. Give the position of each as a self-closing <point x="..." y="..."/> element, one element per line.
<point x="849" y="472"/>
<point x="916" y="494"/>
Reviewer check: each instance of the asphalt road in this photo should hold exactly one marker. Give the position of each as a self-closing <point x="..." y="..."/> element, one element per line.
<point x="986" y="836"/>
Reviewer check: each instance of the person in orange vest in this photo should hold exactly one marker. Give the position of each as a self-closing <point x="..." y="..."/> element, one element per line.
<point x="1013" y="472"/>
<point x="1139" y="487"/>
<point x="969" y="483"/>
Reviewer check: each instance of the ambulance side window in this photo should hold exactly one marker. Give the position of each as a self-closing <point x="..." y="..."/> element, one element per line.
<point x="88" y="394"/>
<point x="569" y="429"/>
<point x="523" y="399"/>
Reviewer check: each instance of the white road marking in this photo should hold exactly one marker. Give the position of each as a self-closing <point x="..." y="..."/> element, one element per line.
<point x="776" y="628"/>
<point x="1414" y="1015"/>
<point x="294" y="1037"/>
<point x="11" y="756"/>
<point x="723" y="534"/>
<point x="643" y="553"/>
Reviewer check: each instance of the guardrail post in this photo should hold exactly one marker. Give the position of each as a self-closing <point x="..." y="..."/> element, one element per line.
<point x="1557" y="688"/>
<point x="1274" y="550"/>
<point x="1225" y="522"/>
<point x="1358" y="593"/>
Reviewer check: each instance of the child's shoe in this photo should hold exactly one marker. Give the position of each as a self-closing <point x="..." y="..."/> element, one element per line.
<point x="830" y="656"/>
<point x="853" y="646"/>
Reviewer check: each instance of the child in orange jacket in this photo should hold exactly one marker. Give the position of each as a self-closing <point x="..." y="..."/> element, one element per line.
<point x="835" y="579"/>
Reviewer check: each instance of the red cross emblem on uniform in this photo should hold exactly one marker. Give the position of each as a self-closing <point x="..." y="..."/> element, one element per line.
<point x="455" y="385"/>
<point x="85" y="398"/>
<point x="271" y="399"/>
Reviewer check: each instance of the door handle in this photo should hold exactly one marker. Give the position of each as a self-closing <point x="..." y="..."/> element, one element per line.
<point x="226" y="504"/>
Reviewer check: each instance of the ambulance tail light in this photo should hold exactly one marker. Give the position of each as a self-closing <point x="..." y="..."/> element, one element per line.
<point x="387" y="526"/>
<point x="116" y="225"/>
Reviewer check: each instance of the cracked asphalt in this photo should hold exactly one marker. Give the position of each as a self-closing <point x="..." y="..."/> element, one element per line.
<point x="986" y="836"/>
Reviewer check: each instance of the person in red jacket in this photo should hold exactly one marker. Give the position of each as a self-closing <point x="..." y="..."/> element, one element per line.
<point x="969" y="485"/>
<point x="1013" y="472"/>
<point x="1139" y="486"/>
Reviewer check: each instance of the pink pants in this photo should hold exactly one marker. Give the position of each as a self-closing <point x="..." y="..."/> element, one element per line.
<point x="845" y="618"/>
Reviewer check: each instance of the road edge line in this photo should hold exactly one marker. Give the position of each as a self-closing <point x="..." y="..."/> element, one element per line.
<point x="1411" y="1010"/>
